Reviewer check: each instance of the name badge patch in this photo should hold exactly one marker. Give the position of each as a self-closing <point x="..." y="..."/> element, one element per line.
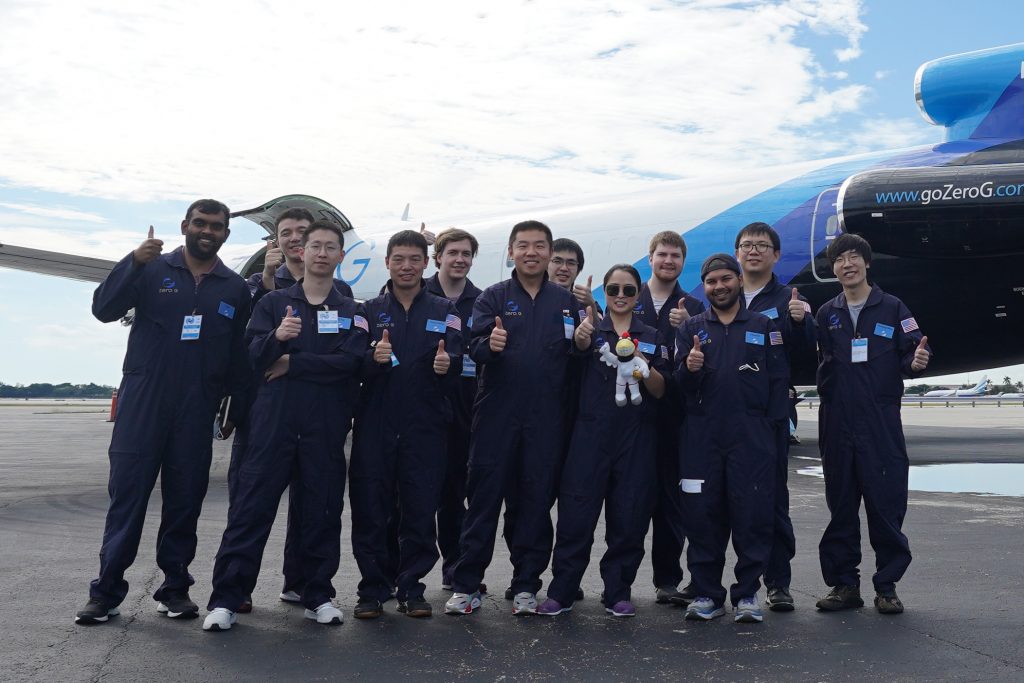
<point x="649" y="349"/>
<point x="755" y="338"/>
<point x="568" y="326"/>
<point x="772" y="313"/>
<point x="226" y="310"/>
<point x="884" y="330"/>
<point x="326" y="322"/>
<point x="435" y="326"/>
<point x="190" y="327"/>
<point x="859" y="351"/>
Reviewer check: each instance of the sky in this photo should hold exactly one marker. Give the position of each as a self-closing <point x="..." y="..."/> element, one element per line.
<point x="117" y="114"/>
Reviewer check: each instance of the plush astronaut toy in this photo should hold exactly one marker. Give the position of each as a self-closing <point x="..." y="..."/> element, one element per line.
<point x="629" y="369"/>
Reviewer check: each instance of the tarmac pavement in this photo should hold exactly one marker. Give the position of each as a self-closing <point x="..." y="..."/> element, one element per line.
<point x="962" y="620"/>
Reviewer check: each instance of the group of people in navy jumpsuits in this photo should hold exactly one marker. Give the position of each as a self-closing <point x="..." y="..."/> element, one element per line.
<point x="661" y="412"/>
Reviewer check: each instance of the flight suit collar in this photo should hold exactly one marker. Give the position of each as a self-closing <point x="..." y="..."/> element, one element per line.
<point x="519" y="285"/>
<point x="636" y="327"/>
<point x="296" y="292"/>
<point x="177" y="260"/>
<point x="470" y="291"/>
<point x="742" y="314"/>
<point x="389" y="292"/>
<point x="874" y="297"/>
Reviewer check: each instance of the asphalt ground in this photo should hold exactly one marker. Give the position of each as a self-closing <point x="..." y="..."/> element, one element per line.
<point x="962" y="621"/>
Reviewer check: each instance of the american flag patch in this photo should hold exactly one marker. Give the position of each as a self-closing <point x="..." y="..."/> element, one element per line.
<point x="453" y="322"/>
<point x="582" y="314"/>
<point x="664" y="352"/>
<point x="360" y="322"/>
<point x="775" y="338"/>
<point x="908" y="325"/>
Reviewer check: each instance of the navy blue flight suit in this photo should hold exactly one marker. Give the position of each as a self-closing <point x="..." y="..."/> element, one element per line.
<point x="667" y="534"/>
<point x="399" y="442"/>
<point x="452" y="508"/>
<point x="773" y="301"/>
<point x="516" y="449"/>
<point x="612" y="462"/>
<point x="297" y="429"/>
<point x="733" y="406"/>
<point x="863" y="452"/>
<point x="167" y="402"/>
<point x="292" y="568"/>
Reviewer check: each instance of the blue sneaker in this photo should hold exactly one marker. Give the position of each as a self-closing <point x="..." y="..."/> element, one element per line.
<point x="704" y="609"/>
<point x="748" y="612"/>
<point x="551" y="608"/>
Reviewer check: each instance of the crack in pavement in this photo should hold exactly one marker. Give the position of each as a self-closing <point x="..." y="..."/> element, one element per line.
<point x="122" y="639"/>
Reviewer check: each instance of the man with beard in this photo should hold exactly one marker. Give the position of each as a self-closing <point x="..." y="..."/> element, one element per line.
<point x="186" y="351"/>
<point x="664" y="305"/>
<point x="732" y="372"/>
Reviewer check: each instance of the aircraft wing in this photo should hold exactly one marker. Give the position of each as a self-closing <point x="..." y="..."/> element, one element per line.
<point x="72" y="266"/>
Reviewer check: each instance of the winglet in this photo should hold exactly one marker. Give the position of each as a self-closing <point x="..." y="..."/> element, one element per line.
<point x="405" y="214"/>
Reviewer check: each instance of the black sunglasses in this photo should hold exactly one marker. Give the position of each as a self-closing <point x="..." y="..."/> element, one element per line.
<point x="613" y="290"/>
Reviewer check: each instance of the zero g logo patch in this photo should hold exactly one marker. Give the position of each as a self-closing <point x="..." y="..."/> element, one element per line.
<point x="512" y="308"/>
<point x="167" y="286"/>
<point x="833" y="322"/>
<point x="704" y="337"/>
<point x="383" y="319"/>
<point x="639" y="308"/>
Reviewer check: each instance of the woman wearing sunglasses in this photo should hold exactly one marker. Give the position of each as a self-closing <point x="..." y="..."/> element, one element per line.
<point x="611" y="458"/>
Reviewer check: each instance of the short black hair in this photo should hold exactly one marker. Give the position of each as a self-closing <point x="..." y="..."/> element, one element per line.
<point x="566" y="244"/>
<point x="407" y="238"/>
<point x="626" y="268"/>
<point x="296" y="213"/>
<point x="209" y="206"/>
<point x="529" y="225"/>
<point x="759" y="228"/>
<point x="848" y="242"/>
<point x="330" y="226"/>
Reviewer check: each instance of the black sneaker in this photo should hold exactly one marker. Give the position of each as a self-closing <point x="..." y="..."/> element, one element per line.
<point x="245" y="607"/>
<point x="685" y="597"/>
<point x="840" y="598"/>
<point x="416" y="607"/>
<point x="178" y="606"/>
<point x="509" y="594"/>
<point x="368" y="609"/>
<point x="780" y="600"/>
<point x="888" y="603"/>
<point x="96" y="611"/>
<point x="579" y="593"/>
<point x="663" y="595"/>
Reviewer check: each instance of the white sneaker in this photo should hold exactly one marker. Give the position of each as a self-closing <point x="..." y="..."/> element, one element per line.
<point x="462" y="603"/>
<point x="325" y="614"/>
<point x="704" y="609"/>
<point x="524" y="603"/>
<point x="291" y="596"/>
<point x="748" y="611"/>
<point x="219" y="619"/>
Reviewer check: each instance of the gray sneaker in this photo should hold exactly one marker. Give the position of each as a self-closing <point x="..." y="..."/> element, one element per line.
<point x="780" y="600"/>
<point x="747" y="611"/>
<point x="462" y="603"/>
<point x="524" y="603"/>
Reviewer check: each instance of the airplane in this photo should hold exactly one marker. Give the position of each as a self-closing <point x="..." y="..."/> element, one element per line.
<point x="978" y="389"/>
<point x="945" y="221"/>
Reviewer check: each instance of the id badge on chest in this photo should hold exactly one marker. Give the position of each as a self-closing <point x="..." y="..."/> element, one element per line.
<point x="327" y="322"/>
<point x="568" y="326"/>
<point x="190" y="327"/>
<point x="468" y="366"/>
<point x="859" y="351"/>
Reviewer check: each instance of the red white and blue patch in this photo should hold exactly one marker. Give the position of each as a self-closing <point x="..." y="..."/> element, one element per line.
<point x="908" y="325"/>
<point x="360" y="322"/>
<point x="453" y="322"/>
<point x="775" y="338"/>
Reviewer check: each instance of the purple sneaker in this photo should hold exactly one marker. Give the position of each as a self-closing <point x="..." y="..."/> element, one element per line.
<point x="552" y="607"/>
<point x="623" y="608"/>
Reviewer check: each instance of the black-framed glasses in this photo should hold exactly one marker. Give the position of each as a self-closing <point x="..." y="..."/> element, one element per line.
<point x="613" y="289"/>
<point x="759" y="247"/>
<point x="558" y="262"/>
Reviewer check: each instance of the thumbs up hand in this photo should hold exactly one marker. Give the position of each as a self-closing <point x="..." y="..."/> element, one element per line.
<point x="695" y="359"/>
<point x="290" y="326"/>
<point x="678" y="315"/>
<point x="585" y="331"/>
<point x="921" y="356"/>
<point x="148" y="250"/>
<point x="427" y="235"/>
<point x="584" y="293"/>
<point x="499" y="336"/>
<point x="382" y="351"/>
<point x="442" y="361"/>
<point x="796" y="307"/>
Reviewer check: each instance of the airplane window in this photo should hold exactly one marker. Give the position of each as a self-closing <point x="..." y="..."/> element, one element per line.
<point x="832" y="226"/>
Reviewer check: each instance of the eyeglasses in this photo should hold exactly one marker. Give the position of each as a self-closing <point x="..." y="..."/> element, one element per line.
<point x="327" y="248"/>
<point x="567" y="262"/>
<point x="849" y="257"/>
<point x="613" y="289"/>
<point x="759" y="247"/>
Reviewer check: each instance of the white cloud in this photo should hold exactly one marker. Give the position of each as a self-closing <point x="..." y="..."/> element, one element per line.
<point x="55" y="212"/>
<point x="890" y="134"/>
<point x="456" y="107"/>
<point x="881" y="74"/>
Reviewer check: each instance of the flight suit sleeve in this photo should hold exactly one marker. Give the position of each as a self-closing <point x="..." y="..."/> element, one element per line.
<point x="370" y="367"/>
<point x="120" y="290"/>
<point x="693" y="306"/>
<point x="908" y="341"/>
<point x="688" y="382"/>
<point x="239" y="383"/>
<point x="264" y="347"/>
<point x="484" y="311"/>
<point x="778" y="373"/>
<point x="822" y="337"/>
<point x="344" y="361"/>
